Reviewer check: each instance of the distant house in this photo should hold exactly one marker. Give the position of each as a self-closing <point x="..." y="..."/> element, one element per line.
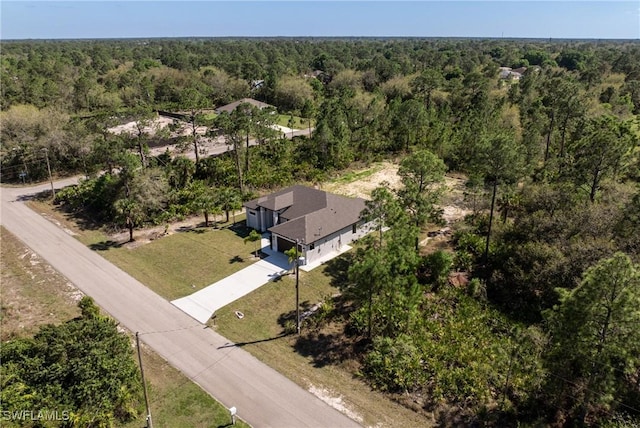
<point x="231" y="107"/>
<point x="509" y="73"/>
<point x="257" y="84"/>
<point x="314" y="74"/>
<point x="320" y="222"/>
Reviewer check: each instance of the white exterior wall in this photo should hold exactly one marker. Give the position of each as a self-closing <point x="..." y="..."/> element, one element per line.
<point x="253" y="219"/>
<point x="261" y="219"/>
<point x="336" y="240"/>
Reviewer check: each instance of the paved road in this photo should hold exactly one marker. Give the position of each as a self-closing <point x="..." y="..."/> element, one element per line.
<point x="264" y="398"/>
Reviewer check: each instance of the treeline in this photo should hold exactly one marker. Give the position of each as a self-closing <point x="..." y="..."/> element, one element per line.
<point x="371" y="97"/>
<point x="88" y="75"/>
<point x="545" y="330"/>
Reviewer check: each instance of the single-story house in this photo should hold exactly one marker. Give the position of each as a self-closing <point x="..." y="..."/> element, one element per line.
<point x="318" y="221"/>
<point x="508" y="73"/>
<point x="231" y="107"/>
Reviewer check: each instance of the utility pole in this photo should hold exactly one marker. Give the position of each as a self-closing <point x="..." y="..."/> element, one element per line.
<point x="46" y="155"/>
<point x="297" y="288"/>
<point x="144" y="384"/>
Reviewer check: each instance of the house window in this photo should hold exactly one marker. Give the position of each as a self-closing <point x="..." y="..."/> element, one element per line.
<point x="252" y="213"/>
<point x="354" y="228"/>
<point x="312" y="246"/>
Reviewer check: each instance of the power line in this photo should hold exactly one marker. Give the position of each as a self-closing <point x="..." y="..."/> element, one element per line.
<point x="144" y="333"/>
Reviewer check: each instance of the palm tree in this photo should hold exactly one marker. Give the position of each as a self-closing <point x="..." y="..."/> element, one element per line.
<point x="229" y="200"/>
<point x="254" y="236"/>
<point x="204" y="199"/>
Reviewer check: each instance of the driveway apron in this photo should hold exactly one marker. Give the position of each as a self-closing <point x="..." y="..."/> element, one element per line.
<point x="203" y="303"/>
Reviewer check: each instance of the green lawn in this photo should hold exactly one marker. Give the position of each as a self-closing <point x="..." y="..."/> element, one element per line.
<point x="298" y="122"/>
<point x="179" y="264"/>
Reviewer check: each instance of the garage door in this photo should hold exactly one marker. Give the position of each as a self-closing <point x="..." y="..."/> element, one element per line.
<point x="284" y="245"/>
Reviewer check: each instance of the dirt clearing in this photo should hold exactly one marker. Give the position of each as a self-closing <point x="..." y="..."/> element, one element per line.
<point x="33" y="293"/>
<point x="360" y="183"/>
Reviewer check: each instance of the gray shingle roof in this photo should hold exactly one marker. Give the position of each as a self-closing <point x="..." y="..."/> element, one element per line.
<point x="312" y="214"/>
<point x="232" y="106"/>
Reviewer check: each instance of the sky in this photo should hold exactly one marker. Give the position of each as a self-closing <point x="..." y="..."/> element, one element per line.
<point x="611" y="19"/>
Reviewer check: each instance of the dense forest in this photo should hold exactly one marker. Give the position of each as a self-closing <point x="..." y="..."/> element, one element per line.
<point x="546" y="133"/>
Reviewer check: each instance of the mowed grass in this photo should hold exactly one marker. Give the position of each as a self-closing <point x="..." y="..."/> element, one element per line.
<point x="301" y="359"/>
<point x="298" y="122"/>
<point x="34" y="294"/>
<point x="177" y="265"/>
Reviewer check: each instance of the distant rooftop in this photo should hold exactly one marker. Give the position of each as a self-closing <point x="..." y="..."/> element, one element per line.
<point x="232" y="106"/>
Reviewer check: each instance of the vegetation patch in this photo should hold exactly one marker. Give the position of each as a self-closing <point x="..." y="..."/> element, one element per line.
<point x="352" y="176"/>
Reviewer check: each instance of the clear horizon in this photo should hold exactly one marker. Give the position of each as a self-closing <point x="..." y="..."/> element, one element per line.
<point x="51" y="20"/>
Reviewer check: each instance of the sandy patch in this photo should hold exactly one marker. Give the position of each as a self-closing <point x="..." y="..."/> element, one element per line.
<point x="453" y="205"/>
<point x="207" y="144"/>
<point x="334" y="401"/>
<point x="152" y="128"/>
<point x="362" y="188"/>
<point x="284" y="129"/>
<point x="57" y="223"/>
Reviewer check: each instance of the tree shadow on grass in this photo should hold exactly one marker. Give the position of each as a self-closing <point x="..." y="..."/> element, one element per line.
<point x="198" y="228"/>
<point x="291" y="315"/>
<point x="337" y="269"/>
<point x="324" y="349"/>
<point x="33" y="197"/>
<point x="236" y="259"/>
<point x="105" y="245"/>
<point x="82" y="218"/>
<point x="321" y="340"/>
<point x="240" y="229"/>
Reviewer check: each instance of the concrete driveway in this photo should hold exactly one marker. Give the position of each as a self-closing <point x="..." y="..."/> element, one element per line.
<point x="203" y="303"/>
